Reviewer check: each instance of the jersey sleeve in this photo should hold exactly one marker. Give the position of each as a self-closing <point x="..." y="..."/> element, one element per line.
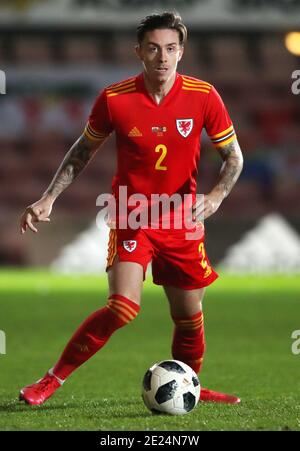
<point x="217" y="122"/>
<point x="99" y="124"/>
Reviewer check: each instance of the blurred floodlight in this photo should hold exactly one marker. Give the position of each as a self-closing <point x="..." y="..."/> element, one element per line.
<point x="272" y="246"/>
<point x="86" y="254"/>
<point x="292" y="42"/>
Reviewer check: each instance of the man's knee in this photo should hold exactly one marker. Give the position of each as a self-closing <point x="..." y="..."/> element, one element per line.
<point x="126" y="279"/>
<point x="184" y="303"/>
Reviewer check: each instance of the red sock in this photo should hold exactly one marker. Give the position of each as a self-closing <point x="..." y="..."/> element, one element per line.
<point x="189" y="341"/>
<point x="94" y="332"/>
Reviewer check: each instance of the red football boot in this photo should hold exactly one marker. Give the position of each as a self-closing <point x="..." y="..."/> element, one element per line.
<point x="37" y="393"/>
<point x="207" y="395"/>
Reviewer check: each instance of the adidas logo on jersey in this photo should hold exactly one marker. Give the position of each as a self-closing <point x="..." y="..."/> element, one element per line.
<point x="134" y="132"/>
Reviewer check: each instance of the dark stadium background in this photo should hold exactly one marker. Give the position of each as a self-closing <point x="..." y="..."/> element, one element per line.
<point x="56" y="56"/>
<point x="54" y="70"/>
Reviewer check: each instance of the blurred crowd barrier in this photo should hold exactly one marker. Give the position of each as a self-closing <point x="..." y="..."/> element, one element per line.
<point x="52" y="81"/>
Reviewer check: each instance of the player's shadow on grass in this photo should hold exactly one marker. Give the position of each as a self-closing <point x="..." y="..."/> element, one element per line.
<point x="14" y="406"/>
<point x="17" y="406"/>
<point x="132" y="416"/>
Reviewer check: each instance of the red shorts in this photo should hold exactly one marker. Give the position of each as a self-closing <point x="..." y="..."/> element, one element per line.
<point x="175" y="260"/>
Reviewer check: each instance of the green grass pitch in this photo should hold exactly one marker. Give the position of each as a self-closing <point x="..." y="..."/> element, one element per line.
<point x="248" y="320"/>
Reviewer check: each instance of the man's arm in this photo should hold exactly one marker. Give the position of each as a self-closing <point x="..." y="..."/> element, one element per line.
<point x="74" y="162"/>
<point x="72" y="165"/>
<point x="232" y="166"/>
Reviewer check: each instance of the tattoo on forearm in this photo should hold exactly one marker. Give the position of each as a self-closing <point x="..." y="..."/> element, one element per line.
<point x="74" y="162"/>
<point x="225" y="151"/>
<point x="232" y="166"/>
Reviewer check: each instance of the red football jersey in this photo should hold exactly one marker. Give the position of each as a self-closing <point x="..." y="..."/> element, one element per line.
<point x="158" y="145"/>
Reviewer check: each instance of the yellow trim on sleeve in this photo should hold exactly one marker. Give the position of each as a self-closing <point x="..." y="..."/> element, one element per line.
<point x="227" y="141"/>
<point x="92" y="134"/>
<point x="223" y="133"/>
<point x="92" y="137"/>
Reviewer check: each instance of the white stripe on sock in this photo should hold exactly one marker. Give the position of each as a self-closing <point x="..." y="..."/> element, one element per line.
<point x="61" y="381"/>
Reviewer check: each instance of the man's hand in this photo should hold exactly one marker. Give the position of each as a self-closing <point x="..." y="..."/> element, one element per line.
<point x="37" y="212"/>
<point x="74" y="162"/>
<point x="232" y="165"/>
<point x="207" y="206"/>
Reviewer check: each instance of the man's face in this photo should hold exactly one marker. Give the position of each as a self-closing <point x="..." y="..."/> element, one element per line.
<point x="160" y="53"/>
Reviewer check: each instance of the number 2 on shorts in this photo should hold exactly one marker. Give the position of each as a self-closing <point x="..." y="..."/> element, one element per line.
<point x="203" y="261"/>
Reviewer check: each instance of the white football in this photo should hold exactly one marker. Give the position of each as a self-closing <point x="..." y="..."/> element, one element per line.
<point x="171" y="387"/>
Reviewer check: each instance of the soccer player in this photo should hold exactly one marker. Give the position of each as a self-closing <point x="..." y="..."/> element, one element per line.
<point x="157" y="117"/>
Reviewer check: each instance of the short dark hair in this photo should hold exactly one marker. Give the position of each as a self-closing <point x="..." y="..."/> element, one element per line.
<point x="166" y="20"/>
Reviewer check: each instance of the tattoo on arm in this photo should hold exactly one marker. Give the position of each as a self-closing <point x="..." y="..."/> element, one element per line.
<point x="74" y="162"/>
<point x="233" y="164"/>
